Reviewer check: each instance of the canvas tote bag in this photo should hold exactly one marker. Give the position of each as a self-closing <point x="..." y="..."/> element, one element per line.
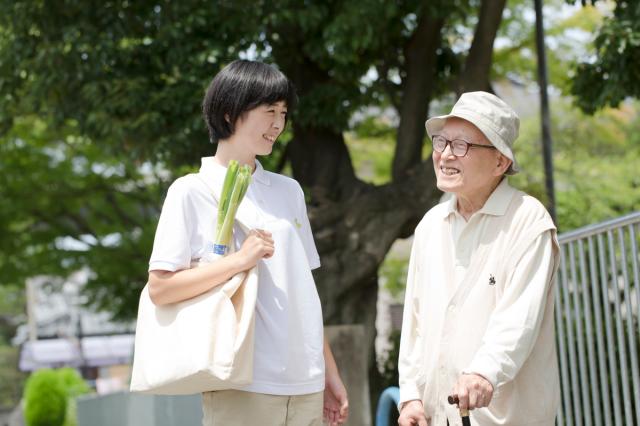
<point x="200" y="344"/>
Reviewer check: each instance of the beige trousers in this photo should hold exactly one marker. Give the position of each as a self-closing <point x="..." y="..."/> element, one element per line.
<point x="232" y="407"/>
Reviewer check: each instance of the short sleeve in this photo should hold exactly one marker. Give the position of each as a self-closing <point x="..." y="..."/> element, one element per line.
<point x="304" y="231"/>
<point x="171" y="245"/>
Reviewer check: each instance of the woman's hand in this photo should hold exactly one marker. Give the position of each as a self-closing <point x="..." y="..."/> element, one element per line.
<point x="336" y="402"/>
<point x="258" y="245"/>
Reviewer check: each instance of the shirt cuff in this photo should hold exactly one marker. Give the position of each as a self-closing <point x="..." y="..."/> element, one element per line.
<point x="485" y="366"/>
<point x="408" y="392"/>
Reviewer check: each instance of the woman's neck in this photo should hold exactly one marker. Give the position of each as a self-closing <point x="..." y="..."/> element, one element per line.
<point x="226" y="152"/>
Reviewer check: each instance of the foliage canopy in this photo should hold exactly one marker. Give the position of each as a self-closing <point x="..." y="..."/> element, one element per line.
<point x="99" y="111"/>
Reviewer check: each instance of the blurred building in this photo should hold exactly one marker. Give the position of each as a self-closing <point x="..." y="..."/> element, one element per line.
<point x="62" y="331"/>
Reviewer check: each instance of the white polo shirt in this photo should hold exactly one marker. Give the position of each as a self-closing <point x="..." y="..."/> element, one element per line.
<point x="288" y="353"/>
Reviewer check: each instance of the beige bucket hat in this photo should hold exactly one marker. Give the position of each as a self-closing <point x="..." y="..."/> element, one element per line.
<point x="495" y="119"/>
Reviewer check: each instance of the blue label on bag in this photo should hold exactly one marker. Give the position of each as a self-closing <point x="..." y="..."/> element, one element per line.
<point x="220" y="249"/>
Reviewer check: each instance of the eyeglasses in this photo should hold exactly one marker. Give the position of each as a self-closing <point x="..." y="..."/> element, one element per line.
<point x="459" y="147"/>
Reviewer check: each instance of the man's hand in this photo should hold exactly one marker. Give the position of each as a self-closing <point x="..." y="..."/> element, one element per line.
<point x="473" y="391"/>
<point x="412" y="414"/>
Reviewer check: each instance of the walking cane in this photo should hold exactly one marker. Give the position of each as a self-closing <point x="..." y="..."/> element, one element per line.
<point x="464" y="413"/>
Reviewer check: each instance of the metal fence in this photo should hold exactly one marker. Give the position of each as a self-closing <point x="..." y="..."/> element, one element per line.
<point x="597" y="324"/>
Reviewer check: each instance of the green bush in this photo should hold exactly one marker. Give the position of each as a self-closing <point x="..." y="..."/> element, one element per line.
<point x="45" y="399"/>
<point x="50" y="397"/>
<point x="74" y="386"/>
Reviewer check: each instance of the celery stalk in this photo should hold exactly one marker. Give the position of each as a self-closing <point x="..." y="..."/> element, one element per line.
<point x="247" y="171"/>
<point x="240" y="187"/>
<point x="225" y="194"/>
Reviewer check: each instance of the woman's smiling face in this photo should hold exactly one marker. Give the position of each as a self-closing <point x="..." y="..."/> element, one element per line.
<point x="259" y="128"/>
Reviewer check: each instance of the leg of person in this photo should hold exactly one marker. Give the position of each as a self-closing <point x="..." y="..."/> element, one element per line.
<point x="233" y="407"/>
<point x="305" y="410"/>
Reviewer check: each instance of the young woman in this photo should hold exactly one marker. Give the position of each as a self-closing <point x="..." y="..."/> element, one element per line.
<point x="245" y="109"/>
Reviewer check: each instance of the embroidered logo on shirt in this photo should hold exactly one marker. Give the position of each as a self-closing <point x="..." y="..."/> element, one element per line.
<point x="298" y="224"/>
<point x="492" y="280"/>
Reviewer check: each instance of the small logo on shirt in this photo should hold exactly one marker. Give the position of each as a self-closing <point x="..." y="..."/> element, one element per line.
<point x="296" y="223"/>
<point x="492" y="280"/>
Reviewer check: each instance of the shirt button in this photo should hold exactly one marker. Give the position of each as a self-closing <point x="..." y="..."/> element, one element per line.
<point x="452" y="308"/>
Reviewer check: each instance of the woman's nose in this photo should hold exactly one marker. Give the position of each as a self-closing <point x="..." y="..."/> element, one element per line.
<point x="278" y="123"/>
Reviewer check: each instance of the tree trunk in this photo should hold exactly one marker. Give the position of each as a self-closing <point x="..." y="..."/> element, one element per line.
<point x="420" y="57"/>
<point x="319" y="156"/>
<point x="320" y="161"/>
<point x="354" y="236"/>
<point x="355" y="223"/>
<point x="477" y="69"/>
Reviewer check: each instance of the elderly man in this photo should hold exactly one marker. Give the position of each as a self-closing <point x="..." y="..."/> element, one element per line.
<point x="478" y="313"/>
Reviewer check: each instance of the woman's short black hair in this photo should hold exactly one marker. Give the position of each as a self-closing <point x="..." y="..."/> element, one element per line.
<point x="240" y="87"/>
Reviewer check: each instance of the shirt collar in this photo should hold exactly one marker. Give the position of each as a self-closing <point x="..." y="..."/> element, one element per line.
<point x="498" y="201"/>
<point x="211" y="168"/>
<point x="496" y="204"/>
<point x="451" y="204"/>
<point x="261" y="175"/>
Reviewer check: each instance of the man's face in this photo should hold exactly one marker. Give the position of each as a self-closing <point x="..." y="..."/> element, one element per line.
<point x="474" y="173"/>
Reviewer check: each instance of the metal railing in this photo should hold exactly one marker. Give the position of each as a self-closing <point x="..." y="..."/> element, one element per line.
<point x="598" y="325"/>
<point x="387" y="402"/>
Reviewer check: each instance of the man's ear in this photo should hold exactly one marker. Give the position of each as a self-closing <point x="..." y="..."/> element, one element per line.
<point x="502" y="164"/>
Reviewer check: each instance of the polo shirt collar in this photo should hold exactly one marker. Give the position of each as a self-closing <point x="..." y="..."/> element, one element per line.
<point x="211" y="168"/>
<point x="498" y="201"/>
<point x="496" y="204"/>
<point x="451" y="206"/>
<point x="260" y="175"/>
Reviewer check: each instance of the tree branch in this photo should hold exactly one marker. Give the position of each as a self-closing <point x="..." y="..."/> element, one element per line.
<point x="361" y="231"/>
<point x="124" y="217"/>
<point x="420" y="58"/>
<point x="477" y="68"/>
